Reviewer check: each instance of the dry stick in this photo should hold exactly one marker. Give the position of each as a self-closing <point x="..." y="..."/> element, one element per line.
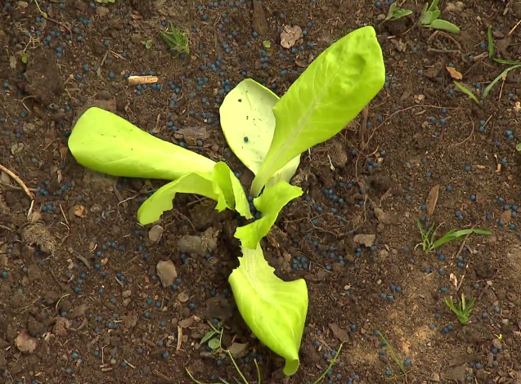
<point x="46" y="17"/>
<point x="468" y="137"/>
<point x="514" y="27"/>
<point x="18" y="180"/>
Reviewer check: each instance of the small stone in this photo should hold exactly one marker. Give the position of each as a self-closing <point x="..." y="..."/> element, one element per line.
<point x="78" y="311"/>
<point x="186" y="323"/>
<point x="435" y="377"/>
<point x="126" y="293"/>
<point x="366" y="240"/>
<point x="182" y="297"/>
<point x="25" y="343"/>
<point x="382" y="217"/>
<point x="155" y="233"/>
<point x="238" y="350"/>
<point x="167" y="272"/>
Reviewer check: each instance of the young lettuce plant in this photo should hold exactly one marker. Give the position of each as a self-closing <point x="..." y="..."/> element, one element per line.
<point x="268" y="134"/>
<point x="109" y="144"/>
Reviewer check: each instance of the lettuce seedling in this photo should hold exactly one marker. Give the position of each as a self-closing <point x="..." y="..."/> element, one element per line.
<point x="331" y="92"/>
<point x="268" y="134"/>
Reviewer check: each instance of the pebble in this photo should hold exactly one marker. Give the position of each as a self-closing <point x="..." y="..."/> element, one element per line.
<point x="155" y="233"/>
<point x="25" y="343"/>
<point x="167" y="272"/>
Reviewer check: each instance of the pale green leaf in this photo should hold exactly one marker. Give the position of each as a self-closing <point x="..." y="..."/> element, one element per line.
<point x="161" y="201"/>
<point x="248" y="124"/>
<point x="221" y="185"/>
<point x="232" y="189"/>
<point x="273" y="309"/>
<point x="444" y="25"/>
<point x="106" y="143"/>
<point x="337" y="85"/>
<point x="270" y="203"/>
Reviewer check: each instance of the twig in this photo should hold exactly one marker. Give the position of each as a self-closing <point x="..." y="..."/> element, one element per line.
<point x="136" y="80"/>
<point x="468" y="137"/>
<point x="514" y="27"/>
<point x="162" y="376"/>
<point x="63" y="214"/>
<point x="46" y="17"/>
<point x="18" y="180"/>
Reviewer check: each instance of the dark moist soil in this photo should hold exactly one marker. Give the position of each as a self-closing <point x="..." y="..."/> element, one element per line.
<point x="80" y="300"/>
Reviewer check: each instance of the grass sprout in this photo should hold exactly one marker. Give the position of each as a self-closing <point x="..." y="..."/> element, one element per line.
<point x="501" y="76"/>
<point x="333" y="361"/>
<point x="176" y="39"/>
<point x="463" y="310"/>
<point x="393" y="354"/>
<point x="466" y="91"/>
<point x="429" y="243"/>
<point x="492" y="51"/>
<point x="210" y="337"/>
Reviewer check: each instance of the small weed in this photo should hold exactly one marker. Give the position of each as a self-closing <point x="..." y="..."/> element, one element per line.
<point x="492" y="51"/>
<point x="466" y="91"/>
<point x="429" y="244"/>
<point x="176" y="40"/>
<point x="147" y="43"/>
<point x="514" y="64"/>
<point x="333" y="361"/>
<point x="463" y="310"/>
<point x="393" y="354"/>
<point x="429" y="18"/>
<point x="213" y="339"/>
<point x="501" y="76"/>
<point x="396" y="12"/>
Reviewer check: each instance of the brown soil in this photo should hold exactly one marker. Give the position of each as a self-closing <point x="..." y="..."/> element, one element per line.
<point x="79" y="279"/>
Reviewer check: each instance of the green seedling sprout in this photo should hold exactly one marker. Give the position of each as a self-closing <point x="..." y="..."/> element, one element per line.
<point x="430" y="244"/>
<point x="514" y="64"/>
<point x="463" y="310"/>
<point x="466" y="91"/>
<point x="393" y="354"/>
<point x="331" y="92"/>
<point x="501" y="76"/>
<point x="396" y="13"/>
<point x="217" y="347"/>
<point x="176" y="40"/>
<point x="429" y="18"/>
<point x="330" y="366"/>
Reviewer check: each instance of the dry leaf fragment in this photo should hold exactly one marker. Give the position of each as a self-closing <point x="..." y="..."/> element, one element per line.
<point x="290" y="36"/>
<point x="454" y="73"/>
<point x="432" y="199"/>
<point x="80" y="211"/>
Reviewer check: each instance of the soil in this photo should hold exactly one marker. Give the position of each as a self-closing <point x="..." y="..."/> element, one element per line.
<point x="80" y="298"/>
